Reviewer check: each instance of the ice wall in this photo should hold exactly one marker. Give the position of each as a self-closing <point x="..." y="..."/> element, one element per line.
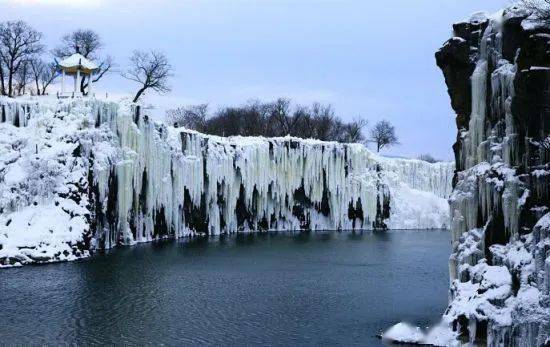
<point x="215" y="185"/>
<point x="122" y="178"/>
<point x="497" y="69"/>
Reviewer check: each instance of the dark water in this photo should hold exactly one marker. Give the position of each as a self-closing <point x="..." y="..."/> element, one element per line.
<point x="277" y="289"/>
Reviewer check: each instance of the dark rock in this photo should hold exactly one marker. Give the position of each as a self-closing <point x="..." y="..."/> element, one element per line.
<point x="457" y="66"/>
<point x="512" y="35"/>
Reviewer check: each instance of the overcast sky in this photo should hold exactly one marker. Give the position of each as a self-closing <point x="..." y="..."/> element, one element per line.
<point x="373" y="59"/>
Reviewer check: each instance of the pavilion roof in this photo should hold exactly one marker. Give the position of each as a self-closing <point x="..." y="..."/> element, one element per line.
<point x="77" y="61"/>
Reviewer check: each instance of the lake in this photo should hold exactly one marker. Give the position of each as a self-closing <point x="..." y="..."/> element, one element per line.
<point x="248" y="289"/>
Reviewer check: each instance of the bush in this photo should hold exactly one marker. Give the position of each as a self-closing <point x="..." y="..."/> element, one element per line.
<point x="428" y="158"/>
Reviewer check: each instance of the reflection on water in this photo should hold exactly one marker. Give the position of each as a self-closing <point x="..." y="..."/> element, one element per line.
<point x="285" y="289"/>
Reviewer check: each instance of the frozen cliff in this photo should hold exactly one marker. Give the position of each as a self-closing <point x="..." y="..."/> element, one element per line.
<point x="497" y="69"/>
<point x="83" y="175"/>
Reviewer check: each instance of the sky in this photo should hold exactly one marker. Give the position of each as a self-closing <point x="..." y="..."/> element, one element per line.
<point x="369" y="59"/>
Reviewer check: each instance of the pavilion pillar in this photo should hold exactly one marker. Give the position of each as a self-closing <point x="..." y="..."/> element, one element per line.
<point x="76" y="79"/>
<point x="62" y="81"/>
<point x="90" y="84"/>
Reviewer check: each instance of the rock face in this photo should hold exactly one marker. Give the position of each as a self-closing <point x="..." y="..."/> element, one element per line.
<point x="85" y="175"/>
<point x="497" y="69"/>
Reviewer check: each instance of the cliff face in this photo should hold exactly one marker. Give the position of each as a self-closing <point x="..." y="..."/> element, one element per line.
<point x="79" y="176"/>
<point x="497" y="69"/>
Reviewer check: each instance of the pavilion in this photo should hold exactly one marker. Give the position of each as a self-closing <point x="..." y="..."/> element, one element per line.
<point x="77" y="65"/>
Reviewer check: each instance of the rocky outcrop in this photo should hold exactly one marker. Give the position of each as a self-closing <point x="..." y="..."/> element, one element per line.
<point x="497" y="70"/>
<point x="77" y="176"/>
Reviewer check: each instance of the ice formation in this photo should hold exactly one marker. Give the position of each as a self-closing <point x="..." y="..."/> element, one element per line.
<point x="82" y="175"/>
<point x="497" y="70"/>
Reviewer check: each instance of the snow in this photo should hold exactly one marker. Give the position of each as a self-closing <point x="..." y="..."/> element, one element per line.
<point x="544" y="222"/>
<point x="523" y="199"/>
<point x="78" y="59"/>
<point x="533" y="23"/>
<point x="476" y="17"/>
<point x="474" y="299"/>
<point x="40" y="234"/>
<point x="515" y="10"/>
<point x="440" y="335"/>
<point x="14" y="175"/>
<point x="455" y="38"/>
<point x="404" y="333"/>
<point x="540" y="173"/>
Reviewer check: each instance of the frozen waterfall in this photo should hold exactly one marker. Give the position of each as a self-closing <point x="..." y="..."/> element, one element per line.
<point x="128" y="179"/>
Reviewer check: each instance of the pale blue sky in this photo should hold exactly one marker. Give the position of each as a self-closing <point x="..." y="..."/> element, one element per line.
<point x="369" y="58"/>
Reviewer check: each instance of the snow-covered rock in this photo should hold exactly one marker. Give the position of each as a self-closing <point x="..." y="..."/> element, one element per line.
<point x="404" y="333"/>
<point x="81" y="175"/>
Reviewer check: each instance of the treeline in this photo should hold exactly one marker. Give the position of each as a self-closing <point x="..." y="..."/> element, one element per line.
<point x="281" y="118"/>
<point x="270" y="119"/>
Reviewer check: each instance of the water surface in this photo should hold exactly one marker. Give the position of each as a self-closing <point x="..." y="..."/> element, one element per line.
<point x="278" y="289"/>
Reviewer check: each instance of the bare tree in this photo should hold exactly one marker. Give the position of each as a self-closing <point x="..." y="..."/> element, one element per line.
<point x="324" y="118"/>
<point x="280" y="116"/>
<point x="43" y="74"/>
<point x="383" y="134"/>
<point x="226" y="122"/>
<point x="84" y="41"/>
<point x="37" y="65"/>
<point x="2" y="76"/>
<point x="427" y="157"/>
<point x="540" y="8"/>
<point x="354" y="130"/>
<point x="254" y="118"/>
<point x="339" y="131"/>
<point x="151" y="70"/>
<point x="191" y="117"/>
<point x="88" y="43"/>
<point x="18" y="42"/>
<point x="22" y="78"/>
<point x="304" y="125"/>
